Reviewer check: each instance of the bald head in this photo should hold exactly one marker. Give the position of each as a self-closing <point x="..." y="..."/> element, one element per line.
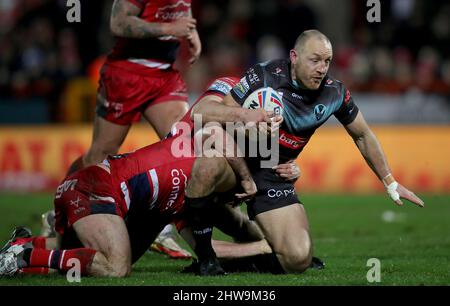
<point x="305" y="36"/>
<point x="310" y="59"/>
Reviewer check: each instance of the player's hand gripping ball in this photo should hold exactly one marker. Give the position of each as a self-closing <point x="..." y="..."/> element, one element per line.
<point x="270" y="100"/>
<point x="266" y="98"/>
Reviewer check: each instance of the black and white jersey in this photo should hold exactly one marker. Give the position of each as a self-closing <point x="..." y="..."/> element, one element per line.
<point x="304" y="110"/>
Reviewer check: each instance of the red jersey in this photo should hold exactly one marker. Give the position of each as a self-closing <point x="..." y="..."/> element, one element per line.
<point x="155" y="52"/>
<point x="219" y="87"/>
<point x="152" y="178"/>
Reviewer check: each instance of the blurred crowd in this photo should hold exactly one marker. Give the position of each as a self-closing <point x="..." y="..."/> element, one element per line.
<point x="42" y="55"/>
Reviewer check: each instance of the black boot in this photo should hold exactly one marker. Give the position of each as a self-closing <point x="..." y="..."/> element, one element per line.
<point x="199" y="219"/>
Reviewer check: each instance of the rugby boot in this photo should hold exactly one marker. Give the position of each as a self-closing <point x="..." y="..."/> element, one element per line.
<point x="168" y="246"/>
<point x="11" y="261"/>
<point x="210" y="267"/>
<point x="18" y="236"/>
<point x="317" y="263"/>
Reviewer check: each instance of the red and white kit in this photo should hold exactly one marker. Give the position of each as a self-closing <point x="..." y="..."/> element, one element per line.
<point x="149" y="179"/>
<point x="138" y="72"/>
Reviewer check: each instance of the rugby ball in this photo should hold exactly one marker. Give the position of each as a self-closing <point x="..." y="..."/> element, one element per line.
<point x="266" y="98"/>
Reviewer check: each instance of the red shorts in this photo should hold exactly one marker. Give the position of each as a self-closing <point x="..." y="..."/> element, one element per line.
<point x="87" y="192"/>
<point x="128" y="93"/>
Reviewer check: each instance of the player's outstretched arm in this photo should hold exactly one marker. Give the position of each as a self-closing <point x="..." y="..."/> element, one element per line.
<point x="371" y="150"/>
<point x="195" y="45"/>
<point x="124" y="22"/>
<point x="214" y="135"/>
<point x="222" y="110"/>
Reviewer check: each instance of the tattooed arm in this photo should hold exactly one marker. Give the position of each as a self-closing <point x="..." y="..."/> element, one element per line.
<point x="125" y="22"/>
<point x="195" y="46"/>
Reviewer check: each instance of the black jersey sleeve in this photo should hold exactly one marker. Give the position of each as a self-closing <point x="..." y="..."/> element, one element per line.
<point x="348" y="110"/>
<point x="251" y="81"/>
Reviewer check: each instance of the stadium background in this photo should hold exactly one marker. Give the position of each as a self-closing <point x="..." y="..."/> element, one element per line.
<point x="398" y="71"/>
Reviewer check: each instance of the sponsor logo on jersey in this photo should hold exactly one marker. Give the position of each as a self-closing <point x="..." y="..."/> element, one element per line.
<point x="244" y="83"/>
<point x="278" y="71"/>
<point x="319" y="111"/>
<point x="75" y="203"/>
<point x="274" y="193"/>
<point x="178" y="180"/>
<point x="330" y="83"/>
<point x="70" y="184"/>
<point x="240" y="90"/>
<point x="220" y="86"/>
<point x="291" y="141"/>
<point x="173" y="11"/>
<point x="252" y="76"/>
<point x="296" y="96"/>
<point x="347" y="96"/>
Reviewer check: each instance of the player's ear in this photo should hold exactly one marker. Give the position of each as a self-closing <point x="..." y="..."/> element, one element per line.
<point x="293" y="55"/>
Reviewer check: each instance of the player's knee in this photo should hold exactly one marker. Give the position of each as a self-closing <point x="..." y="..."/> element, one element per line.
<point x="118" y="261"/>
<point x="121" y="271"/>
<point x="295" y="257"/>
<point x="119" y="267"/>
<point x="298" y="259"/>
<point x="221" y="166"/>
<point x="299" y="262"/>
<point x="212" y="168"/>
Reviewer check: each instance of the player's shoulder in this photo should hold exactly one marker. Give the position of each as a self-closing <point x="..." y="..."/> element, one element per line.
<point x="336" y="88"/>
<point x="332" y="84"/>
<point x="275" y="67"/>
<point x="270" y="73"/>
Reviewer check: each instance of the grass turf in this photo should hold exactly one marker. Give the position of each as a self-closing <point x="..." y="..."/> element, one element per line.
<point x="412" y="244"/>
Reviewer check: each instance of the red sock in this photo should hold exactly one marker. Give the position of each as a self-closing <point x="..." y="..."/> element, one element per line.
<point x="57" y="259"/>
<point x="38" y="241"/>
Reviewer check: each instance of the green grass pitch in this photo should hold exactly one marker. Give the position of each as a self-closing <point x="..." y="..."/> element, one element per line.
<point x="412" y="244"/>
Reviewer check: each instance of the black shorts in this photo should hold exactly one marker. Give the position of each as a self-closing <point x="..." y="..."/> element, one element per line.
<point x="273" y="192"/>
<point x="143" y="227"/>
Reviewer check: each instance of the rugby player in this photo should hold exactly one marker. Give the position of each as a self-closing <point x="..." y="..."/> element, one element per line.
<point x="138" y="78"/>
<point x="230" y="220"/>
<point x="107" y="215"/>
<point x="310" y="96"/>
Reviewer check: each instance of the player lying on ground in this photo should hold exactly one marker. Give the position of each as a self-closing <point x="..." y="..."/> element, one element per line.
<point x="310" y="96"/>
<point x="231" y="225"/>
<point x="148" y="189"/>
<point x="91" y="205"/>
